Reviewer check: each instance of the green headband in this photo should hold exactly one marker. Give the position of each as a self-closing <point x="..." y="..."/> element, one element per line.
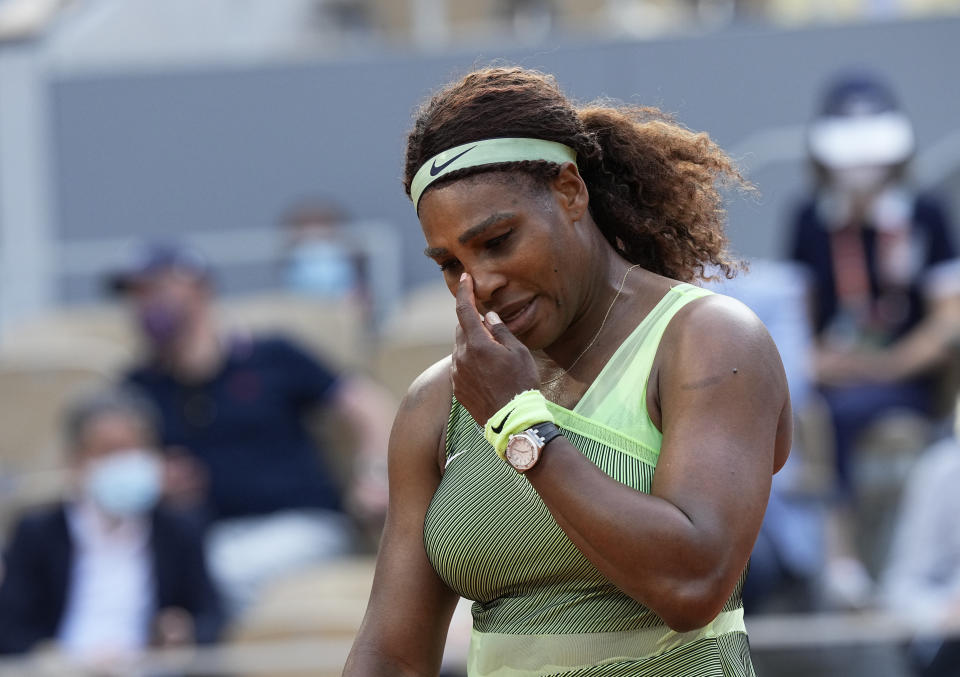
<point x="487" y="152"/>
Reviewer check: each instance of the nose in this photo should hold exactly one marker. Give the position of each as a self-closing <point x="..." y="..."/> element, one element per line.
<point x="486" y="282"/>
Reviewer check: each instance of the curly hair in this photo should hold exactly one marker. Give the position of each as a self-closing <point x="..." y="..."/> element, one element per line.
<point x="654" y="186"/>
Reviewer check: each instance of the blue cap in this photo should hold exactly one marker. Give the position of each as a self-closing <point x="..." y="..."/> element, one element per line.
<point x="858" y="94"/>
<point x="157" y="257"/>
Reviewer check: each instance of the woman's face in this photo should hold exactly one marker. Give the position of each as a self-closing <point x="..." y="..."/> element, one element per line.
<point x="519" y="242"/>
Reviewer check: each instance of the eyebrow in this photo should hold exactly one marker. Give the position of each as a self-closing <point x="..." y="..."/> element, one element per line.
<point x="472" y="232"/>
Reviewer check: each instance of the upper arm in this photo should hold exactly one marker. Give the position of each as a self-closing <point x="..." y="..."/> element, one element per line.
<point x="726" y="423"/>
<point x="405" y="625"/>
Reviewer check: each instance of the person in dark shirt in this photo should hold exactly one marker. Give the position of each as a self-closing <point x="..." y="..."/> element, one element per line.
<point x="245" y="424"/>
<point x="107" y="572"/>
<point x="234" y="408"/>
<point x="869" y="241"/>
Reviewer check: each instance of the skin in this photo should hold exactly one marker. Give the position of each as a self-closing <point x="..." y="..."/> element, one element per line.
<point x="717" y="392"/>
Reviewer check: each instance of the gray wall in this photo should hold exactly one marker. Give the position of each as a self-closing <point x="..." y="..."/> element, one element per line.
<point x="225" y="148"/>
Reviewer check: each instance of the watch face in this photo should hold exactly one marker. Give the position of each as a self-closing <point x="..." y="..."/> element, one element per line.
<point x="521" y="453"/>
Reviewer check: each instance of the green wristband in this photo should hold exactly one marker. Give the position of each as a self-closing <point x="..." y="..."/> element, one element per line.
<point x="525" y="410"/>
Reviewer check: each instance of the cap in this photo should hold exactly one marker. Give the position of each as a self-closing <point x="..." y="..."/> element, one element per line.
<point x="860" y="123"/>
<point x="154" y="258"/>
<point x="858" y="94"/>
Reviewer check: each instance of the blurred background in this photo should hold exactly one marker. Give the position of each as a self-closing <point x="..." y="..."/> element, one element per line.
<point x="254" y="147"/>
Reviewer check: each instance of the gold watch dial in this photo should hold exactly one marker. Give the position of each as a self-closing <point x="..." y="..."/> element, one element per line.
<point x="521" y="453"/>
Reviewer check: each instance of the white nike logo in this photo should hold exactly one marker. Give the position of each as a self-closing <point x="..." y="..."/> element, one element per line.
<point x="453" y="456"/>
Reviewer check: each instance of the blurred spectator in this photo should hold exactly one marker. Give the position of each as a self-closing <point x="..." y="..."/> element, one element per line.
<point x="868" y="240"/>
<point x="318" y="259"/>
<point x="107" y="573"/>
<point x="922" y="579"/>
<point x="235" y="407"/>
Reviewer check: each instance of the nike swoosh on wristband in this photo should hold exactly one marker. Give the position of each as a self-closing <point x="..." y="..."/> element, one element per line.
<point x="498" y="428"/>
<point x="434" y="169"/>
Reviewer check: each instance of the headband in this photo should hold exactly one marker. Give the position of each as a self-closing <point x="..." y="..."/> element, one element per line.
<point x="487" y="152"/>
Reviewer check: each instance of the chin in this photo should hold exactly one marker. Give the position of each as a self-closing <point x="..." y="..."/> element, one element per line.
<point x="535" y="339"/>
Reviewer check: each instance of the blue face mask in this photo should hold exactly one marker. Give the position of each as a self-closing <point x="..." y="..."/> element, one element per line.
<point x="126" y="483"/>
<point x="321" y="268"/>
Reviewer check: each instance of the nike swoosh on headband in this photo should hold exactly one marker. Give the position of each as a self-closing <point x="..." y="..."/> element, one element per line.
<point x="486" y="152"/>
<point x="434" y="169"/>
<point x="499" y="428"/>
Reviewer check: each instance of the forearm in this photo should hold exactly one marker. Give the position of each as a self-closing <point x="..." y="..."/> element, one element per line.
<point x="366" y="660"/>
<point x="368" y="409"/>
<point x="648" y="547"/>
<point x="921" y="351"/>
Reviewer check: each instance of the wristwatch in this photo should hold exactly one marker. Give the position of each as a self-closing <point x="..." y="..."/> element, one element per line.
<point x="523" y="449"/>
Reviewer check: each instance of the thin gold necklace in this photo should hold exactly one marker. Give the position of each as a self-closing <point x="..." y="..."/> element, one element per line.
<point x="595" y="336"/>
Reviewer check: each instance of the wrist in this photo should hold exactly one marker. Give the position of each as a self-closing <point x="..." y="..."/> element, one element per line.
<point x="524" y="449"/>
<point x="525" y="410"/>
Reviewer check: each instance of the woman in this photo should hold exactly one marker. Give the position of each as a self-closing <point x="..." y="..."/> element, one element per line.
<point x="563" y="234"/>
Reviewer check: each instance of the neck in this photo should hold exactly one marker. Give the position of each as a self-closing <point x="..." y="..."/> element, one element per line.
<point x="197" y="353"/>
<point x="100" y="519"/>
<point x="608" y="288"/>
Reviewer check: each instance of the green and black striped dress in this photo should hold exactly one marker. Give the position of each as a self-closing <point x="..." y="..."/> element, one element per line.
<point x="541" y="608"/>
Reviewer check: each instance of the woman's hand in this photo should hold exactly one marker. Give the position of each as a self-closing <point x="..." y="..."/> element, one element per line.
<point x="490" y="365"/>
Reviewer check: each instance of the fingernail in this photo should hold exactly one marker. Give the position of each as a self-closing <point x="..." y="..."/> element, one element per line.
<point x="493" y="318"/>
<point x="463" y="276"/>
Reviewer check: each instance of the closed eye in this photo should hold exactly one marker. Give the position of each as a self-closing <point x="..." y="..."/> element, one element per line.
<point x="499" y="240"/>
<point x="449" y="265"/>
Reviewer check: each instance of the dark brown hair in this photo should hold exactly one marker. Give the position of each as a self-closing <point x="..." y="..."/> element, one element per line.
<point x="654" y="185"/>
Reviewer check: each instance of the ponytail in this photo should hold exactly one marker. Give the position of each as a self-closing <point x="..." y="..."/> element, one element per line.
<point x="655" y="191"/>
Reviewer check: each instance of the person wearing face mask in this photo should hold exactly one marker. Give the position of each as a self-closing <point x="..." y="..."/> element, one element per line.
<point x="235" y="408"/>
<point x="318" y="258"/>
<point x="869" y="240"/>
<point x="107" y="572"/>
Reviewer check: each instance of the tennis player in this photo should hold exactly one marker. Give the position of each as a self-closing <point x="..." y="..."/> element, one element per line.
<point x="592" y="463"/>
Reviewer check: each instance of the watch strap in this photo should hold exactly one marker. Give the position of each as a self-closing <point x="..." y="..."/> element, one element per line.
<point x="546" y="431"/>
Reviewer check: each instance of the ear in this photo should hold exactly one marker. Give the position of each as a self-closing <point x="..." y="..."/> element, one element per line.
<point x="571" y="192"/>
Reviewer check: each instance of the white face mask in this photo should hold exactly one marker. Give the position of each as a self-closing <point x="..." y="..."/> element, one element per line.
<point x="126" y="483"/>
<point x="859" y="181"/>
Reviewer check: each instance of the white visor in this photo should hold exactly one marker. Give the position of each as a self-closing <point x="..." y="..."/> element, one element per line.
<point x="839" y="142"/>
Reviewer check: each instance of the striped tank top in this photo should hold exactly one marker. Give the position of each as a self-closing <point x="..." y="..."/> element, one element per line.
<point x="540" y="607"/>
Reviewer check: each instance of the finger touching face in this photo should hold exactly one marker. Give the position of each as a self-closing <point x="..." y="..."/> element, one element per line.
<point x="468" y="315"/>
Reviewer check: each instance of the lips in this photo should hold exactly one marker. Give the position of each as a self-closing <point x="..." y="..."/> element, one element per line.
<point x="517" y="316"/>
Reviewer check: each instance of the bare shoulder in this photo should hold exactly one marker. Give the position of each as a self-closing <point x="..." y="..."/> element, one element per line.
<point x="716" y="336"/>
<point x="718" y="372"/>
<point x="421" y="419"/>
<point x="432" y="387"/>
<point x="717" y="325"/>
